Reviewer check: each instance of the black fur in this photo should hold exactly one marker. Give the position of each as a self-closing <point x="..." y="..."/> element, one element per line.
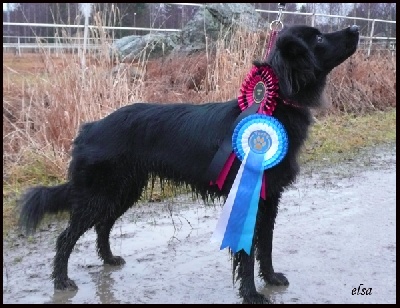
<point x="113" y="158"/>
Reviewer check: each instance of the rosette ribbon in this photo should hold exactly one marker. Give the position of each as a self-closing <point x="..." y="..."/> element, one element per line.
<point x="258" y="94"/>
<point x="267" y="101"/>
<point x="260" y="142"/>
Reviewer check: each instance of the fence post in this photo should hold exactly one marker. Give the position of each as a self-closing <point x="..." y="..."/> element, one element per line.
<point x="56" y="45"/>
<point x="370" y="37"/>
<point x="19" y="46"/>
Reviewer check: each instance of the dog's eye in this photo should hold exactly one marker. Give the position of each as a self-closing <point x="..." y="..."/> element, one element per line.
<point x="319" y="38"/>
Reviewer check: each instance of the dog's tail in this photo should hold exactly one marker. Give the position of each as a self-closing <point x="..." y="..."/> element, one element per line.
<point x="38" y="201"/>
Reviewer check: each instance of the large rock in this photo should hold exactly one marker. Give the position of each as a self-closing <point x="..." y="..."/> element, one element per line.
<point x="218" y="19"/>
<point x="132" y="47"/>
<point x="212" y="21"/>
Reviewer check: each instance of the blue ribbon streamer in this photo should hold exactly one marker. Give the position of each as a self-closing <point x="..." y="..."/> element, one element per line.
<point x="240" y="228"/>
<point x="260" y="142"/>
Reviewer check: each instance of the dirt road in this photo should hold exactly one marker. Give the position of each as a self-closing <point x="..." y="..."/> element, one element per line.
<point x="335" y="231"/>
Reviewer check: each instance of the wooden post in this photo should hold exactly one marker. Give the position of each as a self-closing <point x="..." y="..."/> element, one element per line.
<point x="19" y="46"/>
<point x="371" y="37"/>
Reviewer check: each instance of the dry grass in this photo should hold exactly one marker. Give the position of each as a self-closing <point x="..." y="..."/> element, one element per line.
<point x="47" y="98"/>
<point x="363" y="84"/>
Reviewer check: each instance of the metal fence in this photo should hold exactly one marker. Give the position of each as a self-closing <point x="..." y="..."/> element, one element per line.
<point x="18" y="44"/>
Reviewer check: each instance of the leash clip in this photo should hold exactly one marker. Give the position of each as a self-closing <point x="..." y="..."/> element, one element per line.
<point x="277" y="24"/>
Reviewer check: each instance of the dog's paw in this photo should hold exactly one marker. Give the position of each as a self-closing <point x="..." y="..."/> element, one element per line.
<point x="115" y="261"/>
<point x="256" y="298"/>
<point x="65" y="285"/>
<point x="277" y="279"/>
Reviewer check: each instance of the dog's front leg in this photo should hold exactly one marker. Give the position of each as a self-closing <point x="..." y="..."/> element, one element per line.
<point x="267" y="211"/>
<point x="244" y="264"/>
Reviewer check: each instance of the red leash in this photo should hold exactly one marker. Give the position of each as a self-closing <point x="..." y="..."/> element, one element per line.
<point x="264" y="77"/>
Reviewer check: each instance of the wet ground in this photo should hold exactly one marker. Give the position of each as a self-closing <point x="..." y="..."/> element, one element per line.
<point x="335" y="231"/>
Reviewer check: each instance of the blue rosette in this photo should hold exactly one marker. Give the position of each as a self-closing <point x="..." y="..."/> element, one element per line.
<point x="260" y="142"/>
<point x="261" y="134"/>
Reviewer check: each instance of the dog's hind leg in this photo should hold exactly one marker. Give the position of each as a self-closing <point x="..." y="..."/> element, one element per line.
<point x="103" y="242"/>
<point x="66" y="241"/>
<point x="103" y="228"/>
<point x="267" y="211"/>
<point x="244" y="264"/>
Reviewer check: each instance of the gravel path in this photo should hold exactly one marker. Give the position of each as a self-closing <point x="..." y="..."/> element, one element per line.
<point x="335" y="231"/>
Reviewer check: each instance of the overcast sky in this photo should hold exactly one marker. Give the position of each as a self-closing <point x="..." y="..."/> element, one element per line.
<point x="11" y="6"/>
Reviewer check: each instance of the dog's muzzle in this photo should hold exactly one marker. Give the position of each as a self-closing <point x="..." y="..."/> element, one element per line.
<point x="354" y="28"/>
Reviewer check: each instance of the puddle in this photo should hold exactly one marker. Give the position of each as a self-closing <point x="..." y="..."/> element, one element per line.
<point x="335" y="231"/>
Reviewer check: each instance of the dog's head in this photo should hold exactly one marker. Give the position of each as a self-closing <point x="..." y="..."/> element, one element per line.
<point x="303" y="56"/>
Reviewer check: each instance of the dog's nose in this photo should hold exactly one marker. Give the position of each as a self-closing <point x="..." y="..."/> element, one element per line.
<point x="354" y="28"/>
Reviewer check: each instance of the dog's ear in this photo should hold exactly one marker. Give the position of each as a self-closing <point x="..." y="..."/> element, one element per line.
<point x="294" y="63"/>
<point x="291" y="47"/>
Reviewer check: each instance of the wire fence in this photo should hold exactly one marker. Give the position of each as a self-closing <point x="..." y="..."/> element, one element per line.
<point x="20" y="44"/>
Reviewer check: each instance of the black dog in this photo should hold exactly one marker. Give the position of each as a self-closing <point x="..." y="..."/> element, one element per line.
<point x="113" y="158"/>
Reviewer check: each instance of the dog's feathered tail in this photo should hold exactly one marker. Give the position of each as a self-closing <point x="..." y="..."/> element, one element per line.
<point x="38" y="201"/>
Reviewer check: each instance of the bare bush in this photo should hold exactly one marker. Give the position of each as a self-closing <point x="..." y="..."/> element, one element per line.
<point x="363" y="84"/>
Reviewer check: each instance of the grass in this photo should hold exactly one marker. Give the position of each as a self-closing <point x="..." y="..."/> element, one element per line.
<point x="36" y="171"/>
<point x="338" y="137"/>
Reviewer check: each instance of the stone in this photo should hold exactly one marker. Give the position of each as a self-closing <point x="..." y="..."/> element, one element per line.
<point x="211" y="22"/>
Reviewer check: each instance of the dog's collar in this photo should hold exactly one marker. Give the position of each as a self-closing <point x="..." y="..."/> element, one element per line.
<point x="291" y="103"/>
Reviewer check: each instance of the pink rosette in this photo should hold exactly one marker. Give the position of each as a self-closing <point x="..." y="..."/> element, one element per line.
<point x="266" y="75"/>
